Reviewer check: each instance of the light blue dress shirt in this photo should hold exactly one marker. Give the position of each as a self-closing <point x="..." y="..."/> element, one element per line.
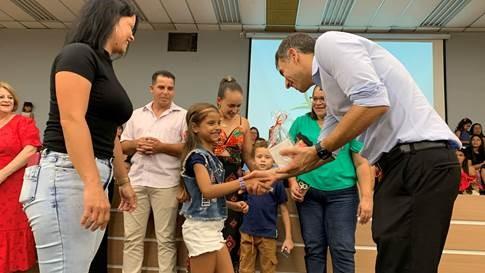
<point x="356" y="71"/>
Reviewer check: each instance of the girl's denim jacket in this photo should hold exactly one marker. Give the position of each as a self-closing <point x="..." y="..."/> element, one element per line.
<point x="198" y="207"/>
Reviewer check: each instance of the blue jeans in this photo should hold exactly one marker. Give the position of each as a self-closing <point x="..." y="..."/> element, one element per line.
<point x="52" y="196"/>
<point x="328" y="220"/>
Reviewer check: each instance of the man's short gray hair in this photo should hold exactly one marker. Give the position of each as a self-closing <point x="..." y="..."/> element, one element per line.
<point x="300" y="41"/>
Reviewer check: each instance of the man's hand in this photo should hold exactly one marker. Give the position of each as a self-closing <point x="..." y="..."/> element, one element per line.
<point x="148" y="145"/>
<point x="304" y="159"/>
<point x="364" y="212"/>
<point x="128" y="198"/>
<point x="257" y="185"/>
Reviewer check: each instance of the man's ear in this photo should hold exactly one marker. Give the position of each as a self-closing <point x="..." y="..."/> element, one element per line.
<point x="293" y="54"/>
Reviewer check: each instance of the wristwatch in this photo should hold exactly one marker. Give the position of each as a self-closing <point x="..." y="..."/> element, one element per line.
<point x="322" y="152"/>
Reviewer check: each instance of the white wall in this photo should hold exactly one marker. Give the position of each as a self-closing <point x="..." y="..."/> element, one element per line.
<point x="27" y="55"/>
<point x="465" y="77"/>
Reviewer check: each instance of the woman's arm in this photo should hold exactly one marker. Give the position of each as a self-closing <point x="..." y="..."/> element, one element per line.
<point x="128" y="196"/>
<point x="247" y="145"/>
<point x="472" y="169"/>
<point x="366" y="184"/>
<point x="18" y="162"/>
<point x="72" y="92"/>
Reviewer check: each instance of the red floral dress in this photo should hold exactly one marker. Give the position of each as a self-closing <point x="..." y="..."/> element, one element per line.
<point x="229" y="151"/>
<point x="17" y="247"/>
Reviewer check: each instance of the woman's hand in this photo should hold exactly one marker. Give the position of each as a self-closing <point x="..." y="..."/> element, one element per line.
<point x="128" y="198"/>
<point x="295" y="190"/>
<point x="364" y="212"/>
<point x="96" y="207"/>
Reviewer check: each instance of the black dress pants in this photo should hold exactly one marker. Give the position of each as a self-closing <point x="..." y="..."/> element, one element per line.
<point x="413" y="204"/>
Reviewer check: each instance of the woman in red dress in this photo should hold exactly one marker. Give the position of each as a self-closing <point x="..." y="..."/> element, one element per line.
<point x="19" y="141"/>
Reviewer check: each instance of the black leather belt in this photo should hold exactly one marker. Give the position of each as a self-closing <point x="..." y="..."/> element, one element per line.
<point x="390" y="158"/>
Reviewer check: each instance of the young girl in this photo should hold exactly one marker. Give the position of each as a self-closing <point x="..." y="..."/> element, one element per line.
<point x="468" y="179"/>
<point x="203" y="177"/>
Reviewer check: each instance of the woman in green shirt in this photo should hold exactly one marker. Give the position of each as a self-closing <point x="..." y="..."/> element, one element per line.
<point x="330" y="208"/>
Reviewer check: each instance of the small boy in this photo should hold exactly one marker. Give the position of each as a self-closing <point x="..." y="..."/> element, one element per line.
<point x="258" y="230"/>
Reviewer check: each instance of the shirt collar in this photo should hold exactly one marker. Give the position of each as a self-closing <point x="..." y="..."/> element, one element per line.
<point x="173" y="107"/>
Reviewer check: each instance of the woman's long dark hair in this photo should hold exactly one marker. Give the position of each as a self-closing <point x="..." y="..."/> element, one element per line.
<point x="464" y="164"/>
<point x="97" y="20"/>
<point x="473" y="126"/>
<point x="461" y="124"/>
<point x="481" y="148"/>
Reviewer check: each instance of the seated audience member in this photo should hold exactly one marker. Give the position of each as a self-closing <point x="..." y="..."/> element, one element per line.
<point x="476" y="129"/>
<point x="476" y="151"/>
<point x="258" y="230"/>
<point x="27" y="110"/>
<point x="468" y="182"/>
<point x="462" y="131"/>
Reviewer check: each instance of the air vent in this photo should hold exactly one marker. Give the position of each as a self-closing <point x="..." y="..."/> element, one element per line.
<point x="182" y="42"/>
<point x="444" y="12"/>
<point x="336" y="12"/>
<point x="35" y="10"/>
<point x="227" y="11"/>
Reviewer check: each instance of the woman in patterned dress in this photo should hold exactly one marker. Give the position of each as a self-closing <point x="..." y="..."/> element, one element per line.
<point x="233" y="149"/>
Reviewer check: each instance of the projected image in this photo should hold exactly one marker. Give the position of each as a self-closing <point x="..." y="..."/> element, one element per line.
<point x="267" y="94"/>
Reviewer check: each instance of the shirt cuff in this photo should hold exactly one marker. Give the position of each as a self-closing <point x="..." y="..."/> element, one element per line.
<point x="372" y="94"/>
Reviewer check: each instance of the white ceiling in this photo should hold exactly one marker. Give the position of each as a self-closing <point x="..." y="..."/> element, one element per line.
<point x="250" y="15"/>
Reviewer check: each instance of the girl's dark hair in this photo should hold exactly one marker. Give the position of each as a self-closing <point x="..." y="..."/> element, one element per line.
<point x="97" y="20"/>
<point x="473" y="126"/>
<point x="28" y="104"/>
<point x="228" y="82"/>
<point x="195" y="115"/>
<point x="461" y="124"/>
<point x="481" y="148"/>
<point x="464" y="164"/>
<point x="257" y="131"/>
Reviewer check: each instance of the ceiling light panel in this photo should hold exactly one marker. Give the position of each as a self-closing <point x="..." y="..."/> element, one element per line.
<point x="336" y="12"/>
<point x="444" y="12"/>
<point x="34" y="9"/>
<point x="14" y="11"/>
<point x="227" y="11"/>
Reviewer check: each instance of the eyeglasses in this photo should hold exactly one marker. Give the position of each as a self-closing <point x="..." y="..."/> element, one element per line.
<point x="317" y="99"/>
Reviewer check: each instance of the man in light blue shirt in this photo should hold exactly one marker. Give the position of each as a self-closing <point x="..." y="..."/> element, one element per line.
<point x="371" y="95"/>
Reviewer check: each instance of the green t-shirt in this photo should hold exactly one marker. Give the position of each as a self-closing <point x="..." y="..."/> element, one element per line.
<point x="336" y="175"/>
